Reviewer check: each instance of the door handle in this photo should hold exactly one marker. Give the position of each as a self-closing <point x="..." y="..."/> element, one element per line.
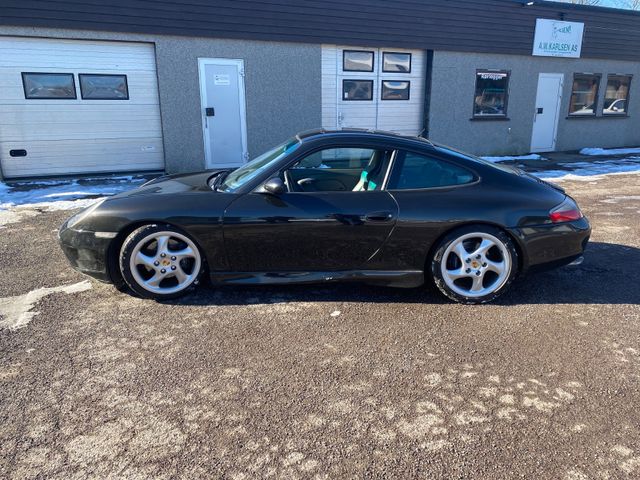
<point x="378" y="217"/>
<point x="210" y="112"/>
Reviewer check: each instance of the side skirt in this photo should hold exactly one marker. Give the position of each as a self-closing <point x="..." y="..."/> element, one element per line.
<point x="401" y="279"/>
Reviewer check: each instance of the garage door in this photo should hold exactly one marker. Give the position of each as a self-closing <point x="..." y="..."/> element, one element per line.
<point x="69" y="107"/>
<point x="373" y="88"/>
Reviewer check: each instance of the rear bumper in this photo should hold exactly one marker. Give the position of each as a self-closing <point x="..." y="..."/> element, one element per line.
<point x="86" y="252"/>
<point x="552" y="245"/>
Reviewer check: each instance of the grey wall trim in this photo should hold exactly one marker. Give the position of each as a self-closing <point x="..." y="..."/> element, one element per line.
<point x="491" y="26"/>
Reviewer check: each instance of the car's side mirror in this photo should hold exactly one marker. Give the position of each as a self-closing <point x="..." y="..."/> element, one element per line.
<point x="275" y="186"/>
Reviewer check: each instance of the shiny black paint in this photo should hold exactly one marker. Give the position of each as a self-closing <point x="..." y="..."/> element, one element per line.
<point x="307" y="236"/>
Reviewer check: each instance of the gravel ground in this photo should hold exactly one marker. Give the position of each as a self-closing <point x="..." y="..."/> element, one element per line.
<point x="325" y="382"/>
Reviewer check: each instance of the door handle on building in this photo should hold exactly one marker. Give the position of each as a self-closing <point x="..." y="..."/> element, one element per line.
<point x="340" y="118"/>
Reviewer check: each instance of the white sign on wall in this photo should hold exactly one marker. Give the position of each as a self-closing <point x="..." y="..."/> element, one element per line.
<point x="555" y="38"/>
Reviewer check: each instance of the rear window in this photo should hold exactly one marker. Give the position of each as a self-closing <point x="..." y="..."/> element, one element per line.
<point x="414" y="171"/>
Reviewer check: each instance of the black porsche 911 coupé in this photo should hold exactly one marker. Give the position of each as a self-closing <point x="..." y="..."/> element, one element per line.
<point x="333" y="206"/>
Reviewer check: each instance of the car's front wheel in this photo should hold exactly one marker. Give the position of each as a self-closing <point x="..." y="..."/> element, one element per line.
<point x="160" y="262"/>
<point x="474" y="264"/>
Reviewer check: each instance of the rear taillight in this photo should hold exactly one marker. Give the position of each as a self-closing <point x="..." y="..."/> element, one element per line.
<point x="567" y="211"/>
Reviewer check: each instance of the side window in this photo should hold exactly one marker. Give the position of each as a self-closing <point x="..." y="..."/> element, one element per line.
<point x="414" y="171"/>
<point x="339" y="169"/>
<point x="492" y="94"/>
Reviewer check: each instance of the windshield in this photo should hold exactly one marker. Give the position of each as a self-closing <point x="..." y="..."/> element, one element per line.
<point x="255" y="167"/>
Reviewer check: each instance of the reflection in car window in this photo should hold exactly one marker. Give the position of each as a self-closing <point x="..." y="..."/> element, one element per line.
<point x="342" y="158"/>
<point x="415" y="171"/>
<point x="466" y="156"/>
<point x="255" y="167"/>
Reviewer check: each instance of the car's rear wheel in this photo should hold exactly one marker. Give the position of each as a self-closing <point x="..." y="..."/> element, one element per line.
<point x="160" y="262"/>
<point x="474" y="264"/>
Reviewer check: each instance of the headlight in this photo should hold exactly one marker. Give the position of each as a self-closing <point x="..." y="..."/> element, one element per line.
<point x="78" y="217"/>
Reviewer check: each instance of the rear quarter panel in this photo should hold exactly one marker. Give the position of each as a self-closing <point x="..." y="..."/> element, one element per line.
<point x="425" y="216"/>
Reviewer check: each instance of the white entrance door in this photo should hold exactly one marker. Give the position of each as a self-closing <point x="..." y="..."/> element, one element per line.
<point x="547" y="113"/>
<point x="223" y="112"/>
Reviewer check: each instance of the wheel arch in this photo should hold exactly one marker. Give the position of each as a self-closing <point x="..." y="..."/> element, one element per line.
<point x="113" y="250"/>
<point x="516" y="241"/>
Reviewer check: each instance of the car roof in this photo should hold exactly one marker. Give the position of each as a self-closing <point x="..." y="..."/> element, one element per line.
<point x="359" y="133"/>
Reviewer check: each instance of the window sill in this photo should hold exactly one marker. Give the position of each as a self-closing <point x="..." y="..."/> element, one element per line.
<point x="593" y="117"/>
<point x="489" y="119"/>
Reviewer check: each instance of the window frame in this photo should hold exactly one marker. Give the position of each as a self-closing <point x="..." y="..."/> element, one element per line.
<point x="503" y="116"/>
<point x="73" y="82"/>
<point x="626" y="110"/>
<point x="396" y="53"/>
<point x="373" y="60"/>
<point x="358" y="99"/>
<point x="126" y="84"/>
<point x="596" y="104"/>
<point x="399" y="156"/>
<point x="384" y="80"/>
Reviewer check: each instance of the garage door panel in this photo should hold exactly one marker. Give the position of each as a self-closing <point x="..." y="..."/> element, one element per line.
<point x="79" y="136"/>
<point x="142" y="86"/>
<point x="75" y="155"/>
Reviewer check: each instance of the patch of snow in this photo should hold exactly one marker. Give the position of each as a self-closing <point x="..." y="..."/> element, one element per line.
<point x="608" y="151"/>
<point x="50" y="191"/>
<point x="533" y="156"/>
<point x="588" y="171"/>
<point x="18" y="311"/>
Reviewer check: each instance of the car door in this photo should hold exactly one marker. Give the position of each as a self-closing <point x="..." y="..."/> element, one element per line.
<point x="320" y="223"/>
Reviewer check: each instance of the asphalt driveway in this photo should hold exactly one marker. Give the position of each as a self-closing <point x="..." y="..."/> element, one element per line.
<point x="319" y="382"/>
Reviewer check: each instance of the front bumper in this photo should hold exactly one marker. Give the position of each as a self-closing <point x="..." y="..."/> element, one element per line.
<point x="552" y="245"/>
<point x="86" y="252"/>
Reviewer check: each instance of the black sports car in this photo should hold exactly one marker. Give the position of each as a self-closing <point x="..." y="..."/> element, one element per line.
<point x="330" y="206"/>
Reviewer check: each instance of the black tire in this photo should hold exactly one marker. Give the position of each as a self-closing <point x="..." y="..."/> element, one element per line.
<point x="170" y="286"/>
<point x="496" y="283"/>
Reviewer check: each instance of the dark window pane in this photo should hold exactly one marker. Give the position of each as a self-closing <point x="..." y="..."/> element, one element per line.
<point x="357" y="89"/>
<point x="396" y="62"/>
<point x="392" y="90"/>
<point x="416" y="171"/>
<point x="584" y="94"/>
<point x="104" y="87"/>
<point x="49" y="85"/>
<point x="357" y="61"/>
<point x="491" y="94"/>
<point x="617" y="95"/>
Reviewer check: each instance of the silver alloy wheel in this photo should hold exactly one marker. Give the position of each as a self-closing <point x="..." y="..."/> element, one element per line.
<point x="165" y="262"/>
<point x="476" y="264"/>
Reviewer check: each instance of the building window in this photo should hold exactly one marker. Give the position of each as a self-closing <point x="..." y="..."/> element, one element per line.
<point x="394" y="62"/>
<point x="492" y="94"/>
<point x="414" y="171"/>
<point x="584" y="94"/>
<point x="103" y="87"/>
<point x="616" y="97"/>
<point x="357" y="61"/>
<point x="395" y="90"/>
<point x="49" y="86"/>
<point x="357" y="90"/>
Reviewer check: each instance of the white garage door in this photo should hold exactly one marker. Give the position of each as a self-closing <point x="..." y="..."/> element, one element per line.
<point x="69" y="106"/>
<point x="373" y="88"/>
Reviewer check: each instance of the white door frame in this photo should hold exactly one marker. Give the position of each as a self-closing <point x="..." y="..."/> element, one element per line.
<point x="239" y="63"/>
<point x="558" y="107"/>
